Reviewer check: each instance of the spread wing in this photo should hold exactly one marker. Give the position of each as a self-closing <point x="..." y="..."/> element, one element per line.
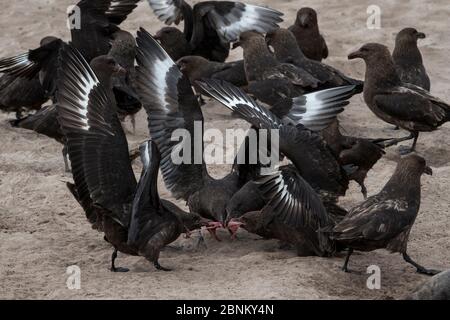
<point x="97" y="146"/>
<point x="172" y="109"/>
<point x="28" y="65"/>
<point x="318" y="110"/>
<point x="119" y="10"/>
<point x="292" y="200"/>
<point x="306" y="149"/>
<point x="146" y="203"/>
<point x="230" y="19"/>
<point x="167" y="11"/>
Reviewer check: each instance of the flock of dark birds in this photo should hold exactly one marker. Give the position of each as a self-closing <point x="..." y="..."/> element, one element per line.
<point x="105" y="74"/>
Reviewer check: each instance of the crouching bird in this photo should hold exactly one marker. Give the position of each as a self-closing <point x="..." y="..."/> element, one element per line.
<point x="131" y="215"/>
<point x="385" y="220"/>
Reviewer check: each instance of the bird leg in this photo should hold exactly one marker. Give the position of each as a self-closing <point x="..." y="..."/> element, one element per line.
<point x="420" y="269"/>
<point x="65" y="153"/>
<point x="363" y="190"/>
<point x="347" y="259"/>
<point x="393" y="142"/>
<point x="405" y="151"/>
<point x="133" y="122"/>
<point x="159" y="267"/>
<point x="113" y="267"/>
<point x="200" y="241"/>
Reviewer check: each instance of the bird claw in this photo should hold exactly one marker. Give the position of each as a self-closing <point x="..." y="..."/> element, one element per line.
<point x="161" y="268"/>
<point x="428" y="272"/>
<point x="403" y="150"/>
<point x="119" y="269"/>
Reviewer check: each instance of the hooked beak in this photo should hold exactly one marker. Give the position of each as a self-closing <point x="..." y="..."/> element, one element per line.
<point x="355" y="55"/>
<point x="428" y="171"/>
<point x="235" y="45"/>
<point x="421" y="35"/>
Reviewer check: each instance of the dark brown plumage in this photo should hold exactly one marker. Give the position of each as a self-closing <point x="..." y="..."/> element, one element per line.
<point x="174" y="42"/>
<point x="210" y="26"/>
<point x="287" y="51"/>
<point x="407" y="106"/>
<point x="270" y="81"/>
<point x="358" y="153"/>
<point x="28" y="80"/>
<point x="131" y="215"/>
<point x="123" y="51"/>
<point x="408" y="59"/>
<point x="385" y="220"/>
<point x="293" y="214"/>
<point x="198" y="68"/>
<point x="307" y="34"/>
<point x="99" y="20"/>
<point x="172" y="107"/>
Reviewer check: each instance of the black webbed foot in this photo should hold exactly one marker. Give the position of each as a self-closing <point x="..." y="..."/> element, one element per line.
<point x="119" y="269"/>
<point x="159" y="267"/>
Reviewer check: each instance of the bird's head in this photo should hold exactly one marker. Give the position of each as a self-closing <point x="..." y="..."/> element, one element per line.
<point x="248" y="37"/>
<point x="306" y="18"/>
<point x="106" y="65"/>
<point x="169" y="36"/>
<point x="415" y="164"/>
<point x="371" y="52"/>
<point x="189" y="64"/>
<point x="409" y="35"/>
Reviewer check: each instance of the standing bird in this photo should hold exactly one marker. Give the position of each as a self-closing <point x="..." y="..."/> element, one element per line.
<point x="436" y="288"/>
<point x="385" y="220"/>
<point x="405" y="105"/>
<point x="287" y="51"/>
<point x="307" y="34"/>
<point x="131" y="215"/>
<point x="408" y="59"/>
<point x="210" y="26"/>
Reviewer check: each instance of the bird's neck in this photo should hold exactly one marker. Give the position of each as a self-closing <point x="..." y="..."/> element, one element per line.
<point x="404" y="182"/>
<point x="380" y="74"/>
<point x="257" y="60"/>
<point x="407" y="52"/>
<point x="188" y="20"/>
<point x="287" y="51"/>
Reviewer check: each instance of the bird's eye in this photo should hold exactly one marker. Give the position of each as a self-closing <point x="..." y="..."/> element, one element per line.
<point x="111" y="62"/>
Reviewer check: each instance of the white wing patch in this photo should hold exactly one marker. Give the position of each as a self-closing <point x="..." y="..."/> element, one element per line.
<point x="165" y="10"/>
<point x="246" y="18"/>
<point x="160" y="70"/>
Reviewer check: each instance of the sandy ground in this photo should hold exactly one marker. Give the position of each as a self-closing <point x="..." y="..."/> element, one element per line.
<point x="43" y="230"/>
